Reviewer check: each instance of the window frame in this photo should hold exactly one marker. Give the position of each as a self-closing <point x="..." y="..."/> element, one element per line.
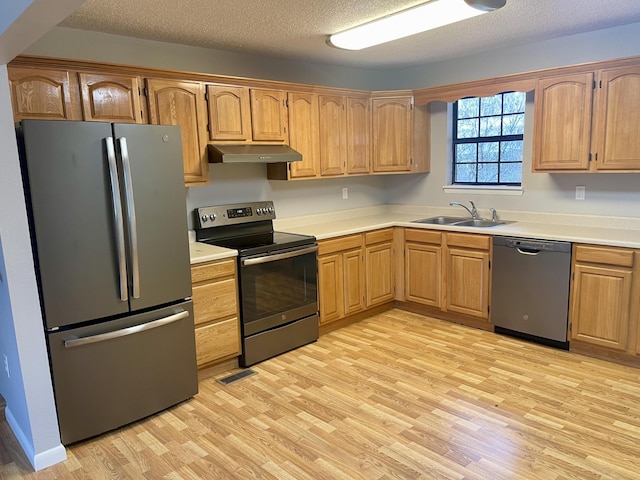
<point x="490" y="139"/>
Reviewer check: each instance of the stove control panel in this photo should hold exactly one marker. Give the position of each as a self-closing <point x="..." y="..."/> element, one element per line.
<point x="233" y="214"/>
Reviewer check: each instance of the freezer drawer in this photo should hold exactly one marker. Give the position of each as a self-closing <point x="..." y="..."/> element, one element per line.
<point x="117" y="372"/>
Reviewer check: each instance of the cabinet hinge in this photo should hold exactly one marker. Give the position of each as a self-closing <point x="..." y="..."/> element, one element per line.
<point x="209" y="127"/>
<point x="146" y="91"/>
<point x="285" y="103"/>
<point x="594" y="84"/>
<point x="489" y="264"/>
<point x="589" y="157"/>
<point x="206" y="96"/>
<point x="139" y="92"/>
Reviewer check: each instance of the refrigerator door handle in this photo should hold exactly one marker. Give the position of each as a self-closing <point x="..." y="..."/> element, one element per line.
<point x="117" y="212"/>
<point x="101" y="337"/>
<point x="131" y="215"/>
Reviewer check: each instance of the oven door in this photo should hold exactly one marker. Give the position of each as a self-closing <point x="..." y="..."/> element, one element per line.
<point x="278" y="288"/>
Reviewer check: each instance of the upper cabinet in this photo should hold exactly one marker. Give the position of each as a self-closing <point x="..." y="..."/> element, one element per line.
<point x="269" y="115"/>
<point x="400" y="135"/>
<point x="588" y="122"/>
<point x="303" y="134"/>
<point x="229" y="113"/>
<point x="110" y="98"/>
<point x="333" y="135"/>
<point x="177" y="102"/>
<point x="358" y="128"/>
<point x="43" y="94"/>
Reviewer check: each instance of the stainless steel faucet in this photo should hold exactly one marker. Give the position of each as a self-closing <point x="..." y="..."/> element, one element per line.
<point x="473" y="212"/>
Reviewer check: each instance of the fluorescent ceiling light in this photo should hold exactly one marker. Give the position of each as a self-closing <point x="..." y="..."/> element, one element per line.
<point x="418" y="19"/>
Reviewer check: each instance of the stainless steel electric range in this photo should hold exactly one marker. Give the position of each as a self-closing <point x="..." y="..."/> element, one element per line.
<point x="277" y="277"/>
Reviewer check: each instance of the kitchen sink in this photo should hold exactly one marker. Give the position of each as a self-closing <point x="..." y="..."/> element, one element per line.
<point x="440" y="220"/>
<point x="461" y="221"/>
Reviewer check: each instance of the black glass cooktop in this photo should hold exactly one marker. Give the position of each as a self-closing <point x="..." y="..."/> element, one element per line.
<point x="261" y="243"/>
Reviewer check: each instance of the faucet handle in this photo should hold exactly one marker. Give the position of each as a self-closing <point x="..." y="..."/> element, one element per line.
<point x="474" y="210"/>
<point x="494" y="214"/>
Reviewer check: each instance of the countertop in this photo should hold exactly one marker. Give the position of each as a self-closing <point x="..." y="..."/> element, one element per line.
<point x="611" y="231"/>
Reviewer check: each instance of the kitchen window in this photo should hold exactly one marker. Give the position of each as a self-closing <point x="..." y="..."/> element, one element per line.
<point x="488" y="139"/>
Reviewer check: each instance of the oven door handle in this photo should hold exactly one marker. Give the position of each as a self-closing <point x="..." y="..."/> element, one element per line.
<point x="279" y="256"/>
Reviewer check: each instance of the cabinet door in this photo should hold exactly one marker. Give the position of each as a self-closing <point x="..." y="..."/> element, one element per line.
<point x="358" y="128"/>
<point x="380" y="268"/>
<point x="174" y="102"/>
<point x="562" y="123"/>
<point x="110" y="98"/>
<point x="330" y="285"/>
<point x="467" y="282"/>
<point x="354" y="281"/>
<point x="333" y="139"/>
<point x="43" y="94"/>
<point x="303" y="134"/>
<point x="618" y="119"/>
<point x="391" y="134"/>
<point x="423" y="271"/>
<point x="229" y="113"/>
<point x="269" y="115"/>
<point x="600" y="305"/>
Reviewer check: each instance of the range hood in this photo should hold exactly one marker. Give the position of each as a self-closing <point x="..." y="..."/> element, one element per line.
<point x="252" y="153"/>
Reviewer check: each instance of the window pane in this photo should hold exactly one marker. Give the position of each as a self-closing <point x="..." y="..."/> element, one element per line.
<point x="514" y="102"/>
<point x="488" y="151"/>
<point x="466" y="152"/>
<point x="490" y="127"/>
<point x="510" y="173"/>
<point x="511" y="151"/>
<point x="488" y="172"/>
<point x="466" y="172"/>
<point x="468" y="128"/>
<point x="491" y="105"/>
<point x="513" y="124"/>
<point x="468" y="107"/>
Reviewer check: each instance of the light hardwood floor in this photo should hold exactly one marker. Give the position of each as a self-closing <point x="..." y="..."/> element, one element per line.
<point x="396" y="396"/>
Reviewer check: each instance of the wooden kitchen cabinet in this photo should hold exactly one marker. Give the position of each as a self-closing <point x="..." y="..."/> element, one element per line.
<point x="303" y="134"/>
<point x="177" y="102"/>
<point x="111" y="98"/>
<point x="215" y="308"/>
<point x="229" y="113"/>
<point x="379" y="266"/>
<point x="39" y="93"/>
<point x="600" y="295"/>
<point x="423" y="266"/>
<point x="358" y="125"/>
<point x="341" y="277"/>
<point x="400" y="135"/>
<point x="269" y="118"/>
<point x="588" y="122"/>
<point x="466" y="259"/>
<point x="333" y="135"/>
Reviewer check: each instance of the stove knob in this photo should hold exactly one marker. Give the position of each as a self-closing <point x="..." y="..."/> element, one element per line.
<point x="204" y="218"/>
<point x="212" y="217"/>
<point x="271" y="209"/>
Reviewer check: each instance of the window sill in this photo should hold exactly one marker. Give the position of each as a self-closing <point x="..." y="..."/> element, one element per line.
<point x="484" y="189"/>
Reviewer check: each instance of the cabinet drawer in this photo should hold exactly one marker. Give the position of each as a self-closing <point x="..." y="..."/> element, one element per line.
<point x="217" y="340"/>
<point x="377" y="236"/>
<point x="339" y="244"/>
<point x="422" y="236"/>
<point x="469" y="240"/>
<point x="216" y="300"/>
<point x="604" y="255"/>
<point x="210" y="271"/>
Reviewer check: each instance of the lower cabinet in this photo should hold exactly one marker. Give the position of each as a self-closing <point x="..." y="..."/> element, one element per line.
<point x="601" y="296"/>
<point x="215" y="307"/>
<point x="341" y="277"/>
<point x="448" y="271"/>
<point x="379" y="267"/>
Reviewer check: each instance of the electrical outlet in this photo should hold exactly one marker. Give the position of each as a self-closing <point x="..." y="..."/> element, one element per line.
<point x="580" y="192"/>
<point x="6" y="365"/>
<point x="345" y="193"/>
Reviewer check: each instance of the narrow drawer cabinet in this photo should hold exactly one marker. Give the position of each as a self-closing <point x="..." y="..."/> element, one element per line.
<point x="215" y="306"/>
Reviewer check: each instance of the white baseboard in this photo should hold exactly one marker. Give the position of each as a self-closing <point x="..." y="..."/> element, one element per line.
<point x="38" y="460"/>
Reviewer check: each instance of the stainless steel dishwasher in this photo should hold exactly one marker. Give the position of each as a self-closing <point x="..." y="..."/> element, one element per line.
<point x="530" y="289"/>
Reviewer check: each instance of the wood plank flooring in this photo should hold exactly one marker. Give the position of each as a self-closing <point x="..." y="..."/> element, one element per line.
<point x="395" y="396"/>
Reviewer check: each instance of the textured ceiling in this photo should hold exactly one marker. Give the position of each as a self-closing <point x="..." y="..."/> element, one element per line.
<point x="297" y="29"/>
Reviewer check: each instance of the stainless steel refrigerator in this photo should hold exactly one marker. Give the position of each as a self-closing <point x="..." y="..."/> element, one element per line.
<point x="106" y="205"/>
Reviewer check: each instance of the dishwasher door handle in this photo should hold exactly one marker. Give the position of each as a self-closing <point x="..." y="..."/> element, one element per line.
<point x="526" y="251"/>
